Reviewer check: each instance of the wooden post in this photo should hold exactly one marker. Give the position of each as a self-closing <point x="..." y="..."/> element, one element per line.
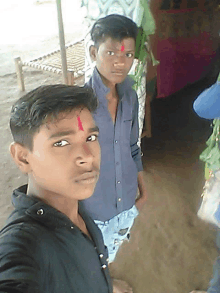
<point x="148" y="132"/>
<point x="183" y="5"/>
<point x="62" y="41"/>
<point x="20" y="77"/>
<point x="201" y="4"/>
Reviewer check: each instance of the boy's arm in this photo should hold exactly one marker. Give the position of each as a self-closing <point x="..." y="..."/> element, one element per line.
<point x="143" y="191"/>
<point x="207" y="105"/>
<point x="136" y="155"/>
<point x="18" y="270"/>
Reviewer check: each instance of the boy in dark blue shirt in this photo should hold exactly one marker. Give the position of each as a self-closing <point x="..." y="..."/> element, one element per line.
<point x="114" y="205"/>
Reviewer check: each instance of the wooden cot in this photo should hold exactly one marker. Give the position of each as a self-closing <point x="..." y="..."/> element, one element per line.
<point x="75" y="56"/>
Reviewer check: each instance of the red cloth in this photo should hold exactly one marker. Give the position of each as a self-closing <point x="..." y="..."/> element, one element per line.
<point x="183" y="61"/>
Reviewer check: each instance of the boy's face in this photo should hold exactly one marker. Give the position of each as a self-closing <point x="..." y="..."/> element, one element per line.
<point x="65" y="159"/>
<point x="114" y="59"/>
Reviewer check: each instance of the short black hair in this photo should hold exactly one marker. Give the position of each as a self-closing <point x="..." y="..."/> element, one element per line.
<point x="33" y="109"/>
<point x="115" y="26"/>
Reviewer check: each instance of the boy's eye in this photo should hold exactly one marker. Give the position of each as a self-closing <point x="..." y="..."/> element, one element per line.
<point x="129" y="55"/>
<point x="111" y="53"/>
<point x="92" y="137"/>
<point x="61" y="143"/>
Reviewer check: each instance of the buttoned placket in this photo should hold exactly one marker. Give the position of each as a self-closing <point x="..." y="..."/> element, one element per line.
<point x="103" y="260"/>
<point x="117" y="151"/>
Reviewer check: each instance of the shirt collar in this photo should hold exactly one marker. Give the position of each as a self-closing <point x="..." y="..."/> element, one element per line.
<point x="99" y="87"/>
<point x="102" y="90"/>
<point x="40" y="211"/>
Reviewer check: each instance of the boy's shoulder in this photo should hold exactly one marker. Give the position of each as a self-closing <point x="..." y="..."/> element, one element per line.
<point x="21" y="227"/>
<point x="28" y="216"/>
<point x="128" y="83"/>
<point x="126" y="89"/>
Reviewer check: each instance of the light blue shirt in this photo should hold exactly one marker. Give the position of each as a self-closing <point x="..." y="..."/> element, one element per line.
<point x="207" y="105"/>
<point x="116" y="189"/>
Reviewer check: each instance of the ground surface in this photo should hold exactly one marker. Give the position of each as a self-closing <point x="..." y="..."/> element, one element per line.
<point x="170" y="250"/>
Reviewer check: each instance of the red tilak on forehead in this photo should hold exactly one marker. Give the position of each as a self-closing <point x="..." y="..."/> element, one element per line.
<point x="80" y="123"/>
<point x="122" y="47"/>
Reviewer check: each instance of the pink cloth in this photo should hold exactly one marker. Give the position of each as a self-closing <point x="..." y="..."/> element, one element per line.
<point x="183" y="61"/>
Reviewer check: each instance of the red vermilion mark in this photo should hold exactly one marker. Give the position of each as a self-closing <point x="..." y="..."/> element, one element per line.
<point x="80" y="123"/>
<point x="122" y="47"/>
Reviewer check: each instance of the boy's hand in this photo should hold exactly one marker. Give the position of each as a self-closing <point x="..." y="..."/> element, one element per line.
<point x="140" y="202"/>
<point x="143" y="191"/>
<point x="120" y="286"/>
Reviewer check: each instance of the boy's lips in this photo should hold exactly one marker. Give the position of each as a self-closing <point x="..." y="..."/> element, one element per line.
<point x="87" y="178"/>
<point x="118" y="72"/>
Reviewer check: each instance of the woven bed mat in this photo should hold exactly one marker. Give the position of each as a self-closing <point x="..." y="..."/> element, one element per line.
<point x="75" y="55"/>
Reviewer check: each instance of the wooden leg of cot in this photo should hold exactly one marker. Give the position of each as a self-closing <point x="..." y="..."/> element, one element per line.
<point x="70" y="78"/>
<point x="20" y="77"/>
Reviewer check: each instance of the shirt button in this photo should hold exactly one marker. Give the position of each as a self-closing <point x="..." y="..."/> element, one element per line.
<point x="119" y="199"/>
<point x="40" y="212"/>
<point x="116" y="141"/>
<point x="71" y="227"/>
<point x="104" y="266"/>
<point x="118" y="182"/>
<point x="101" y="255"/>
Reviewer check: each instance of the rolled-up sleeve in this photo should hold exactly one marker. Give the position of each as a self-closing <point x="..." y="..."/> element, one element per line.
<point x="135" y="150"/>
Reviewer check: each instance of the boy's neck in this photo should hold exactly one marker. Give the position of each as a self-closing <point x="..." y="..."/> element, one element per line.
<point x="113" y="94"/>
<point x="68" y="207"/>
<point x="111" y="86"/>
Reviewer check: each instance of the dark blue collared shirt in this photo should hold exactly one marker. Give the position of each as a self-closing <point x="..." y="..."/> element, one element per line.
<point x="116" y="189"/>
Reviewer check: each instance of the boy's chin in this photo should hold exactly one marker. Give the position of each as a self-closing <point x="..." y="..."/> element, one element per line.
<point x="113" y="79"/>
<point x="87" y="194"/>
<point x="119" y="78"/>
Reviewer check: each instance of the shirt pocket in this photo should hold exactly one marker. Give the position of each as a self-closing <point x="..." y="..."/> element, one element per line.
<point x="126" y="131"/>
<point x="126" y="111"/>
<point x="127" y="121"/>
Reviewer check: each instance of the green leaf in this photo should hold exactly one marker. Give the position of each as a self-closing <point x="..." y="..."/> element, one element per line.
<point x="211" y="155"/>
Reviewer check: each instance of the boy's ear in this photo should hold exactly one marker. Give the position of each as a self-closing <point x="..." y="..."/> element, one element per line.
<point x="19" y="154"/>
<point x="93" y="52"/>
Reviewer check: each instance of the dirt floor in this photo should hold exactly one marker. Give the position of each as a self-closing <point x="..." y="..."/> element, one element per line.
<point x="170" y="250"/>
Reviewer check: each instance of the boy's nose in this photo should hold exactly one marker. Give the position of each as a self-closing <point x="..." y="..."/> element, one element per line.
<point x="120" y="61"/>
<point x="85" y="155"/>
